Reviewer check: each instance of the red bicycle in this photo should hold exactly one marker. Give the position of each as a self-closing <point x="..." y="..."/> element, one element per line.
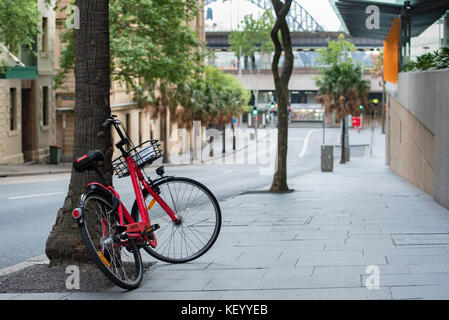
<point x="185" y="215"/>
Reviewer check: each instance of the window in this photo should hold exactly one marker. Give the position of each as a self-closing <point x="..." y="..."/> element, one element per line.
<point x="44" y="39"/>
<point x="45" y="106"/>
<point x="12" y="109"/>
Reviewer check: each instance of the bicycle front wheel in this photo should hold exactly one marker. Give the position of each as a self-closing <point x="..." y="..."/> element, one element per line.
<point x="120" y="262"/>
<point x="199" y="214"/>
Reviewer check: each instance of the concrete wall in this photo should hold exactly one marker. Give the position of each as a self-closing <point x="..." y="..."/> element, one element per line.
<point x="412" y="148"/>
<point x="419" y="131"/>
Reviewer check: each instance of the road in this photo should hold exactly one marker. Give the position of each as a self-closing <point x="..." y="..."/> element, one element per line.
<point x="29" y="204"/>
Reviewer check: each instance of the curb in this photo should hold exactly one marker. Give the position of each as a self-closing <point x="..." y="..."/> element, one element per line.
<point x="42" y="259"/>
<point x="19" y="174"/>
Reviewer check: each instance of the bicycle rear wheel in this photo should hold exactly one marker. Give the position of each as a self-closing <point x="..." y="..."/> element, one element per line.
<point x="121" y="264"/>
<point x="199" y="214"/>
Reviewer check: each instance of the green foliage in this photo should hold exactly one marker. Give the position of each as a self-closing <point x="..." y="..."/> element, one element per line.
<point x="436" y="60"/>
<point x="214" y="97"/>
<point x="19" y="24"/>
<point x="151" y="40"/>
<point x="255" y="35"/>
<point x="342" y="89"/>
<point x="152" y="48"/>
<point x="334" y="51"/>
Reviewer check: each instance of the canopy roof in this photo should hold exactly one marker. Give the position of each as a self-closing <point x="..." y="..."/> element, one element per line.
<point x="422" y="13"/>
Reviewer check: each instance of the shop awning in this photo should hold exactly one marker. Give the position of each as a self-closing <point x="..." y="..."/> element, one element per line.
<point x="18" y="72"/>
<point x="422" y="13"/>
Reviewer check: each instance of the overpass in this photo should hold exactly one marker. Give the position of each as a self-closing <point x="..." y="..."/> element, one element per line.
<point x="218" y="40"/>
<point x="302" y="83"/>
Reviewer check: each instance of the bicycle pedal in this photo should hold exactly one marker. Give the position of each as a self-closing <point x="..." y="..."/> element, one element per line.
<point x="148" y="232"/>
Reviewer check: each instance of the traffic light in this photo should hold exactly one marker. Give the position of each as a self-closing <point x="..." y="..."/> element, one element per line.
<point x="255" y="111"/>
<point x="361" y="108"/>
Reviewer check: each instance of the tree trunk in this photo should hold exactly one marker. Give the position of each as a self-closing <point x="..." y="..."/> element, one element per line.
<point x="92" y="85"/>
<point x="281" y="80"/>
<point x="343" y="141"/>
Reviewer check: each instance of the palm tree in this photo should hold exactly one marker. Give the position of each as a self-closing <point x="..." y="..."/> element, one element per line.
<point x="342" y="89"/>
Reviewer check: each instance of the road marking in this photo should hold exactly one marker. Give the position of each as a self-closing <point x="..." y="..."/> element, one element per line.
<point x="37" y="195"/>
<point x="228" y="171"/>
<point x="306" y="144"/>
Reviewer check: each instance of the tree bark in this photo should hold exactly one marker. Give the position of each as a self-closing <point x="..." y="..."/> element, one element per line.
<point x="281" y="80"/>
<point x="92" y="86"/>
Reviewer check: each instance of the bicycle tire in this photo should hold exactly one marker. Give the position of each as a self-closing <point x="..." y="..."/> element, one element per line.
<point x="159" y="252"/>
<point x="90" y="229"/>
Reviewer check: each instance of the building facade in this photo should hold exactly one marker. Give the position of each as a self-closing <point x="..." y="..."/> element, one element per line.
<point x="27" y="100"/>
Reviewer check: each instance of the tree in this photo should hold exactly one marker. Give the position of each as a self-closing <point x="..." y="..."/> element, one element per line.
<point x="19" y="24"/>
<point x="378" y="73"/>
<point x="92" y="86"/>
<point x="254" y="37"/>
<point x="153" y="51"/>
<point x="282" y="76"/>
<point x="335" y="52"/>
<point x="342" y="90"/>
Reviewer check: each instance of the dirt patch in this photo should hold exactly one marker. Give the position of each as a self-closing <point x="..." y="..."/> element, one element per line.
<point x="43" y="278"/>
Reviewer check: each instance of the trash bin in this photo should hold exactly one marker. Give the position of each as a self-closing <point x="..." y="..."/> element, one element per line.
<point x="327" y="158"/>
<point x="55" y="154"/>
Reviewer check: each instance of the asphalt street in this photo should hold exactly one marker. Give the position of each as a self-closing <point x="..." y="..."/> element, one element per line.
<point x="29" y="204"/>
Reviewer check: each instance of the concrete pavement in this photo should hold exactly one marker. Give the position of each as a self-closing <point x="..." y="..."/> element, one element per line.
<point x="360" y="232"/>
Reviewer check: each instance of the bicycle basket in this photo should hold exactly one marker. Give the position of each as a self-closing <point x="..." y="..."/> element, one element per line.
<point x="142" y="155"/>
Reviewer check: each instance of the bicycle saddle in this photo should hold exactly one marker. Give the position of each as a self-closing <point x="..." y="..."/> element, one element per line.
<point x="89" y="161"/>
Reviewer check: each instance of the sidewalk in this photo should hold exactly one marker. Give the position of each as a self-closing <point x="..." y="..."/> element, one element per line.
<point x="14" y="170"/>
<point x="326" y="240"/>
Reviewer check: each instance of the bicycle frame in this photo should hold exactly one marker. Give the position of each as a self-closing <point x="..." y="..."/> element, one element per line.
<point x="135" y="229"/>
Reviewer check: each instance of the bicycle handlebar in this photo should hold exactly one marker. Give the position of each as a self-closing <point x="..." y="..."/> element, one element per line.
<point x="107" y="124"/>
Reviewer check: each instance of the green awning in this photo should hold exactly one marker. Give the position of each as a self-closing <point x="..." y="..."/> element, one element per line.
<point x="18" y="72"/>
<point x="422" y="13"/>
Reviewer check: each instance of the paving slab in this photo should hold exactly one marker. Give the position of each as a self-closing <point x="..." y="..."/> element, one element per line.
<point x="320" y="242"/>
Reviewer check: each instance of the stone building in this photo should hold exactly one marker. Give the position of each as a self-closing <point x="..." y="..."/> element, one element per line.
<point x="27" y="103"/>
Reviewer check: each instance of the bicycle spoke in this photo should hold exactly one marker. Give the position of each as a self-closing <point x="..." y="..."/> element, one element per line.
<point x="198" y="224"/>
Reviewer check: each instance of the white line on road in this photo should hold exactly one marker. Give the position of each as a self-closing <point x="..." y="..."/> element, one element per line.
<point x="37" y="195"/>
<point x="228" y="171"/>
<point x="306" y="144"/>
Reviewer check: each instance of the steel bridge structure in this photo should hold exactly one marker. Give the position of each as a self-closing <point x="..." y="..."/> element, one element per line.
<point x="298" y="18"/>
